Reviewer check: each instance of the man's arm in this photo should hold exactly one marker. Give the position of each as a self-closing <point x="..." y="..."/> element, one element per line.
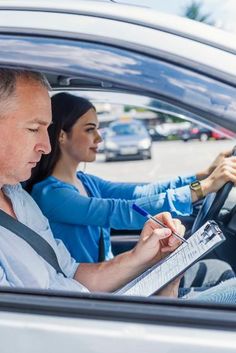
<point x="153" y="244"/>
<point x="111" y="275"/>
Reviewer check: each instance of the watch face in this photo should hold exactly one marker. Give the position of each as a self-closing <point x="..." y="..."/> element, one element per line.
<point x="195" y="184"/>
<point x="196" y="187"/>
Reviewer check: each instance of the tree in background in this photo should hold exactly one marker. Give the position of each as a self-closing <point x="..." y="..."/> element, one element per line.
<point x="194" y="12"/>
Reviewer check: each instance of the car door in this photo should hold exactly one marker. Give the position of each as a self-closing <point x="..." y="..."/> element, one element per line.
<point x="78" y="47"/>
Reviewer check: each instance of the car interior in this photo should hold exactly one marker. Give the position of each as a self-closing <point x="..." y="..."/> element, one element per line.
<point x="220" y="206"/>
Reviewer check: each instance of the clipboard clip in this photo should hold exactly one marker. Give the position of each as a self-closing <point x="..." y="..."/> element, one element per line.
<point x="210" y="230"/>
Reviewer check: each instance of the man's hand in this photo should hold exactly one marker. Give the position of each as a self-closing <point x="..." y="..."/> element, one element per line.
<point x="153" y="244"/>
<point x="156" y="242"/>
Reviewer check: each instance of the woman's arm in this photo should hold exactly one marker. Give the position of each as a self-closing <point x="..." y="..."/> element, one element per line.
<point x="131" y="191"/>
<point x="65" y="205"/>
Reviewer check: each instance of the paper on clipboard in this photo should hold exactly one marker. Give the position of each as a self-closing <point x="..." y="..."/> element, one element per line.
<point x="201" y="242"/>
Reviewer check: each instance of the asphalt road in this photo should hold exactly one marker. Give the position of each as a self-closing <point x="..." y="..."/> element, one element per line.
<point x="170" y="158"/>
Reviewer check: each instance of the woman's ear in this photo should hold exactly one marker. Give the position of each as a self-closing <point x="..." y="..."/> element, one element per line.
<point x="62" y="136"/>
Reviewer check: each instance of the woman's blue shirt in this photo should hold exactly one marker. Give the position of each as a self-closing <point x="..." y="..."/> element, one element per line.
<point x="77" y="220"/>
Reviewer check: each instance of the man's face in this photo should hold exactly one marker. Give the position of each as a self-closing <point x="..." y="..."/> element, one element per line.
<point x="24" y="119"/>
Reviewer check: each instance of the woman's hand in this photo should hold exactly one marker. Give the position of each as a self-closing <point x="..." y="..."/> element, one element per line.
<point x="224" y="172"/>
<point x="217" y="161"/>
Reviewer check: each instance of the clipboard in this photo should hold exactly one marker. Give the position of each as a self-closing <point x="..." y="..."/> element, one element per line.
<point x="204" y="240"/>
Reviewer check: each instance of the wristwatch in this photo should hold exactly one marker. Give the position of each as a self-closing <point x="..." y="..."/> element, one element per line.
<point x="196" y="187"/>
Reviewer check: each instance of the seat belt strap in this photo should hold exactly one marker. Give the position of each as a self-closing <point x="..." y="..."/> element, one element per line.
<point x="101" y="249"/>
<point x="40" y="245"/>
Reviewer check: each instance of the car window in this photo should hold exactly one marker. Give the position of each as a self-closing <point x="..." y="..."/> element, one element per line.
<point x="179" y="147"/>
<point x="127" y="129"/>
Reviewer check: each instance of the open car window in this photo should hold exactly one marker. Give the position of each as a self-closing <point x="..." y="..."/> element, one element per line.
<point x="174" y="84"/>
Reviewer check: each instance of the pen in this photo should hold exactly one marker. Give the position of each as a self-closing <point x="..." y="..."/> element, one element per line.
<point x="144" y="213"/>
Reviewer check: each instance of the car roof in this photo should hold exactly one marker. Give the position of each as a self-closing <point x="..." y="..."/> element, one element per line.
<point x="133" y="14"/>
<point x="144" y="30"/>
<point x="134" y="50"/>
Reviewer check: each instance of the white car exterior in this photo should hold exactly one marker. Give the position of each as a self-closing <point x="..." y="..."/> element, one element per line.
<point x="148" y="58"/>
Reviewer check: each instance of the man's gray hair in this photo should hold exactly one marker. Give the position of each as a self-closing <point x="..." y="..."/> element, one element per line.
<point x="8" y="79"/>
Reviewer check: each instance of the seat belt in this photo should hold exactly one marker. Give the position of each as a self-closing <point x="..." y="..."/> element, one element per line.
<point x="40" y="245"/>
<point x="101" y="249"/>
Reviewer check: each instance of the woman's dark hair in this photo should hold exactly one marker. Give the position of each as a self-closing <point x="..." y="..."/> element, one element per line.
<point x="66" y="110"/>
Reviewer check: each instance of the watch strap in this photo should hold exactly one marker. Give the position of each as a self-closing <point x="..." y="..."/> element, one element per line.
<point x="196" y="187"/>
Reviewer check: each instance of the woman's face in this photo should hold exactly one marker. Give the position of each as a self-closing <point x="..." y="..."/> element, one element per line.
<point x="81" y="143"/>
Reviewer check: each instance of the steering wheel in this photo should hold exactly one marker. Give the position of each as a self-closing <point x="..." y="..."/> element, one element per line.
<point x="212" y="204"/>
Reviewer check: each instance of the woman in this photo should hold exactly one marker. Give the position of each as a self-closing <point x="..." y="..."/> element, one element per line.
<point x="82" y="208"/>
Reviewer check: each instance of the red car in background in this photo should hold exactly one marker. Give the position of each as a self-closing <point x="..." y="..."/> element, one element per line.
<point x="201" y="133"/>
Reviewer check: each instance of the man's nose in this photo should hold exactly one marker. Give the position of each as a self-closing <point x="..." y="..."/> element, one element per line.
<point x="44" y="146"/>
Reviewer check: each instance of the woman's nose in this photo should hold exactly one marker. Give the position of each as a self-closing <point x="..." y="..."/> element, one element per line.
<point x="99" y="137"/>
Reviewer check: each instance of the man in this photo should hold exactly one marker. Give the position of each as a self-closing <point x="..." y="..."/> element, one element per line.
<point x="25" y="114"/>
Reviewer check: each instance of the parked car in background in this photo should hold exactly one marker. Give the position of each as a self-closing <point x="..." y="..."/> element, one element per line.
<point x="157" y="134"/>
<point x="200" y="133"/>
<point x="127" y="140"/>
<point x="221" y="134"/>
<point x="195" y="132"/>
